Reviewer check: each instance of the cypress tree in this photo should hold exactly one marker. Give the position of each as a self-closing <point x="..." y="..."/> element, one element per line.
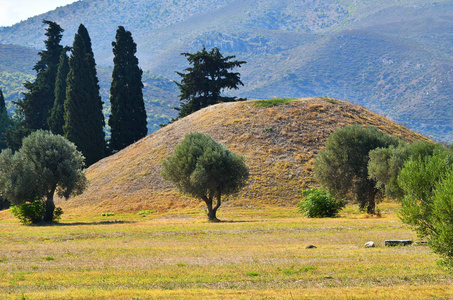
<point x="38" y="100"/>
<point x="128" y="115"/>
<point x="5" y="122"/>
<point x="56" y="119"/>
<point x="2" y="104"/>
<point x="84" y="121"/>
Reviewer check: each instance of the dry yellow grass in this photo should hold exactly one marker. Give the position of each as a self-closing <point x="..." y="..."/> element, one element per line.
<point x="279" y="142"/>
<point x="255" y="254"/>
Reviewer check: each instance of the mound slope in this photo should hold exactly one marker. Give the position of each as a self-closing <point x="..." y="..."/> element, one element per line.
<point x="279" y="143"/>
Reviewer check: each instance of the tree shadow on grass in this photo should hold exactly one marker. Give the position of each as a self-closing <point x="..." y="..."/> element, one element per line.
<point x="237" y="221"/>
<point x="82" y="223"/>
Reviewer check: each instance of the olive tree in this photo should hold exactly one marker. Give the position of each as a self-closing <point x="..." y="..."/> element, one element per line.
<point x="385" y="164"/>
<point x="45" y="164"/>
<point x="342" y="167"/>
<point x="200" y="167"/>
<point x="427" y="205"/>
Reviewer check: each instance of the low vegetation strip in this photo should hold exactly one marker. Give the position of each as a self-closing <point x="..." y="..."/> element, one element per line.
<point x="259" y="254"/>
<point x="272" y="102"/>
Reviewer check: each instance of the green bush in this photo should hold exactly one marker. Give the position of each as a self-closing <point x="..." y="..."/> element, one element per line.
<point x="28" y="212"/>
<point x="318" y="204"/>
<point x="57" y="214"/>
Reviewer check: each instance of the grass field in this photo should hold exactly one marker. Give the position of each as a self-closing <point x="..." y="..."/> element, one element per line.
<point x="256" y="253"/>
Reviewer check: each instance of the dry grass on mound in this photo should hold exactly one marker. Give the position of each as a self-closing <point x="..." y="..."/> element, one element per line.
<point x="280" y="143"/>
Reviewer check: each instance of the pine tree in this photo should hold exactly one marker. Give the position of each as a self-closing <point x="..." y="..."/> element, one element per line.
<point x="128" y="115"/>
<point x="56" y="119"/>
<point x="38" y="100"/>
<point x="204" y="82"/>
<point x="5" y="122"/>
<point x="84" y="121"/>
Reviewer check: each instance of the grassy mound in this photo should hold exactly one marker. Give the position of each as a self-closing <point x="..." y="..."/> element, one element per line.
<point x="279" y="140"/>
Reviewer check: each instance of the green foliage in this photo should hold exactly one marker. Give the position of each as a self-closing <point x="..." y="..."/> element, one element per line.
<point x="84" y="120"/>
<point x="57" y="214"/>
<point x="203" y="83"/>
<point x="5" y="122"/>
<point x="45" y="164"/>
<point x="38" y="100"/>
<point x="200" y="167"/>
<point x="342" y="167"/>
<point x="146" y="212"/>
<point x="428" y="201"/>
<point x="318" y="204"/>
<point x="272" y="102"/>
<point x="16" y="133"/>
<point x="418" y="179"/>
<point x="441" y="240"/>
<point x="386" y="163"/>
<point x="128" y="116"/>
<point x="28" y="212"/>
<point x="107" y="214"/>
<point x="56" y="118"/>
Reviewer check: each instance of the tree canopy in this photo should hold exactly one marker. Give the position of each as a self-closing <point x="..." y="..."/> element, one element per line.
<point x="342" y="167"/>
<point x="84" y="120"/>
<point x="56" y="118"/>
<point x="40" y="96"/>
<point x="427" y="205"/>
<point x="128" y="115"/>
<point x="385" y="164"/>
<point x="45" y="164"/>
<point x="202" y="84"/>
<point x="200" y="167"/>
<point x="5" y="122"/>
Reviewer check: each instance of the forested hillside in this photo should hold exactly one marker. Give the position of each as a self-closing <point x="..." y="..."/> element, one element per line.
<point x="392" y="56"/>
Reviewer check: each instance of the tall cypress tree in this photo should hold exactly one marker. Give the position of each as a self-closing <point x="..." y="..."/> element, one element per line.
<point x="38" y="100"/>
<point x="56" y="119"/>
<point x="128" y="115"/>
<point x="5" y="122"/>
<point x="84" y="121"/>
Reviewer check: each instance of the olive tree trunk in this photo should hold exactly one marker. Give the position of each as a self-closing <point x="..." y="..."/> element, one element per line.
<point x="212" y="211"/>
<point x="49" y="207"/>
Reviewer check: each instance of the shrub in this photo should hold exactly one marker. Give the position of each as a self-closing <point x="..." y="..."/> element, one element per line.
<point x="318" y="204"/>
<point x="28" y="212"/>
<point x="57" y="214"/>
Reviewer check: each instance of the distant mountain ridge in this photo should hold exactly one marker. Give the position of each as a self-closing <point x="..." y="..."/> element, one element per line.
<point x="392" y="56"/>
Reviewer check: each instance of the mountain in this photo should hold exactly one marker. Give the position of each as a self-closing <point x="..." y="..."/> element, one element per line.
<point x="16" y="65"/>
<point x="279" y="143"/>
<point x="394" y="57"/>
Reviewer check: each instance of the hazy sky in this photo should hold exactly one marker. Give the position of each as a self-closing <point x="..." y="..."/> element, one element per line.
<point x="14" y="11"/>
